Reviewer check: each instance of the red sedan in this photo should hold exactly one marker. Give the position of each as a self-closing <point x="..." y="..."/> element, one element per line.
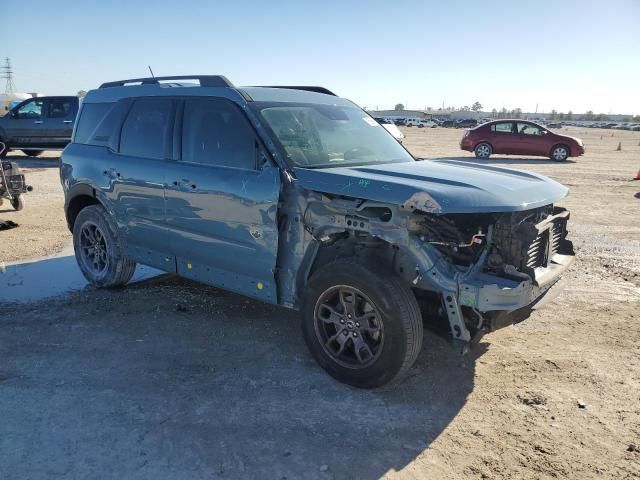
<point x="520" y="137"/>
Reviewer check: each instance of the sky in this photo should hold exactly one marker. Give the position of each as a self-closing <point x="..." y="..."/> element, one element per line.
<point x="562" y="55"/>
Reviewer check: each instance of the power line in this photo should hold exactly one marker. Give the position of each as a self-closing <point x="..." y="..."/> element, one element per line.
<point x="6" y="72"/>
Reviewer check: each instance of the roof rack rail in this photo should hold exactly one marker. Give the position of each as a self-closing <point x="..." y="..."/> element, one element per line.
<point x="205" y="81"/>
<point x="326" y="91"/>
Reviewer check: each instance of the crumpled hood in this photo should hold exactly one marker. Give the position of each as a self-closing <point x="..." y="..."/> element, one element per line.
<point x="438" y="186"/>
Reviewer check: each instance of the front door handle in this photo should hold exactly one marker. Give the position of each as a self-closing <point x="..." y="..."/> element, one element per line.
<point x="67" y="121"/>
<point x="38" y="122"/>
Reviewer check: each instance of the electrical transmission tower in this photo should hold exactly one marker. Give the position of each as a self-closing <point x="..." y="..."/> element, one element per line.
<point x="7" y="73"/>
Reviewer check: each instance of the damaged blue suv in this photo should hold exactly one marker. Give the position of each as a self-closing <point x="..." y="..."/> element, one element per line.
<point x="296" y="197"/>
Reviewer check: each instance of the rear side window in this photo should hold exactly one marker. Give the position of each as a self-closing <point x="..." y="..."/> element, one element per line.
<point x="214" y="132"/>
<point x="505" y="127"/>
<point x="90" y="117"/>
<point x="60" y="108"/>
<point x="145" y="131"/>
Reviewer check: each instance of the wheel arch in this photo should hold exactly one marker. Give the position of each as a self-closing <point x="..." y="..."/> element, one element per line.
<point x="561" y="144"/>
<point x="317" y="255"/>
<point x="483" y="141"/>
<point x="79" y="197"/>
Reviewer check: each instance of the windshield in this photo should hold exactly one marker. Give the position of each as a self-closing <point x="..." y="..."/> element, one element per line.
<point x="315" y="136"/>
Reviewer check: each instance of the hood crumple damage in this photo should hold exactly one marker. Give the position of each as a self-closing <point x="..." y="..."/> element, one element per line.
<point x="437" y="186"/>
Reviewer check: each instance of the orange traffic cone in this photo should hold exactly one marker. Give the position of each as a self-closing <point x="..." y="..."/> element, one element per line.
<point x="619" y="147"/>
<point x="637" y="175"/>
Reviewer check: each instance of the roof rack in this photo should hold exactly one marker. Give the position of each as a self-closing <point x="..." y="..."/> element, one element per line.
<point x="205" y="81"/>
<point x="326" y="91"/>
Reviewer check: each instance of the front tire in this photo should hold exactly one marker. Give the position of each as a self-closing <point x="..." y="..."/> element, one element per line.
<point x="33" y="153"/>
<point x="362" y="324"/>
<point x="559" y="153"/>
<point x="99" y="250"/>
<point x="483" y="150"/>
<point x="17" y="202"/>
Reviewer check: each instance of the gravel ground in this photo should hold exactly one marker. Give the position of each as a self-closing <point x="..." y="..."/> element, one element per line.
<point x="169" y="379"/>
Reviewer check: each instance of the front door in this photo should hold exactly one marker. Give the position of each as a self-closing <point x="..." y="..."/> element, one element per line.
<point x="26" y="124"/>
<point x="58" y="121"/>
<point x="531" y="139"/>
<point x="134" y="178"/>
<point x="222" y="200"/>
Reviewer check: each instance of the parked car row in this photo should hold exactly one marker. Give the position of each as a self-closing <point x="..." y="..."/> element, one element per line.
<point x="432" y="122"/>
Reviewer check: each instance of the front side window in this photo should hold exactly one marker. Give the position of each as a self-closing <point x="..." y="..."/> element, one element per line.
<point x="59" y="108"/>
<point x="504" y="127"/>
<point x="32" y="109"/>
<point x="316" y="136"/>
<point x="215" y="132"/>
<point x="146" y="129"/>
<point x="529" y="129"/>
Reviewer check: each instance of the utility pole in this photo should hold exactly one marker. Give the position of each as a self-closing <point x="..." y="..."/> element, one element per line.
<point x="7" y="73"/>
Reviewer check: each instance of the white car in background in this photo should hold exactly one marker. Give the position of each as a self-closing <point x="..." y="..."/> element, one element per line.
<point x="427" y="124"/>
<point x="391" y="128"/>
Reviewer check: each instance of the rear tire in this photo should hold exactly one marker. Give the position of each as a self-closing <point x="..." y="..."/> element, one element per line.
<point x="33" y="153"/>
<point x="559" y="153"/>
<point x="483" y="150"/>
<point x="17" y="202"/>
<point x="361" y="323"/>
<point x="99" y="249"/>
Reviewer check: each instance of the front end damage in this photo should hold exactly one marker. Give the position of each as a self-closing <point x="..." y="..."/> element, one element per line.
<point x="488" y="270"/>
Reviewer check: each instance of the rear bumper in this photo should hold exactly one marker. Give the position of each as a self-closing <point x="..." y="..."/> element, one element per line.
<point x="466" y="144"/>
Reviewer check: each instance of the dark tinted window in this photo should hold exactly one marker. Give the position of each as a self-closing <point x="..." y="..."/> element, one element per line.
<point x="146" y="129"/>
<point x="60" y="108"/>
<point x="505" y="127"/>
<point x="214" y="132"/>
<point x="105" y="134"/>
<point x="90" y="116"/>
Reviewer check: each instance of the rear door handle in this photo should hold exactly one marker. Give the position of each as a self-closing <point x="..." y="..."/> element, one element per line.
<point x="38" y="122"/>
<point x="111" y="173"/>
<point x="185" y="185"/>
<point x="68" y="121"/>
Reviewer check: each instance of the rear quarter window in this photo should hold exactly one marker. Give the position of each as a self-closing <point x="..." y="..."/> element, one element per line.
<point x="91" y="116"/>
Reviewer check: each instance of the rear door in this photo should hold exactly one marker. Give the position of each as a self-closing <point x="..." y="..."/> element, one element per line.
<point x="222" y="200"/>
<point x="60" y="113"/>
<point x="25" y="127"/>
<point x="502" y="137"/>
<point x="134" y="178"/>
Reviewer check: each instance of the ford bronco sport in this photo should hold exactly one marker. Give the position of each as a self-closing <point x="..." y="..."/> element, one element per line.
<point x="297" y="197"/>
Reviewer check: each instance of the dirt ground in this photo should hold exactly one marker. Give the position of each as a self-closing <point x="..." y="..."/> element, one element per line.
<point x="169" y="379"/>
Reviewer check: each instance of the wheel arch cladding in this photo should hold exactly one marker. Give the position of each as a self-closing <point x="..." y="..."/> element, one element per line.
<point x="82" y="199"/>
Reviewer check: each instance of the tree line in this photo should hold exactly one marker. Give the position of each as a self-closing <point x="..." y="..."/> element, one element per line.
<point x="517" y="113"/>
